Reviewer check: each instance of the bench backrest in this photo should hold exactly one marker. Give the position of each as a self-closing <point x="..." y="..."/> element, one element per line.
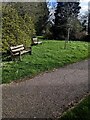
<point x="34" y="40"/>
<point x="17" y="48"/>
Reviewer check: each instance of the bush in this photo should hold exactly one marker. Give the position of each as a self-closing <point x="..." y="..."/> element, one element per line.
<point x="15" y="29"/>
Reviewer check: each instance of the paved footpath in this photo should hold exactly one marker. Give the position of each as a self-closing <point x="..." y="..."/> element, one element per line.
<point x="46" y="95"/>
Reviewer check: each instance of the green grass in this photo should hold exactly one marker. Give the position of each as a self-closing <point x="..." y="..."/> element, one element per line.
<point x="49" y="55"/>
<point x="80" y="112"/>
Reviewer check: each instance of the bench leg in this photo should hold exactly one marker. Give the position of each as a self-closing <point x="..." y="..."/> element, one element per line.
<point x="20" y="56"/>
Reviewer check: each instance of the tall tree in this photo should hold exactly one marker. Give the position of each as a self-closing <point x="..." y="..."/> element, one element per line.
<point x="38" y="11"/>
<point x="65" y="14"/>
<point x="21" y="20"/>
<point x="15" y="29"/>
<point x="84" y="21"/>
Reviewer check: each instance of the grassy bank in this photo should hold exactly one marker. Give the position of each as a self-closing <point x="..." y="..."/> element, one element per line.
<point x="80" y="112"/>
<point x="49" y="55"/>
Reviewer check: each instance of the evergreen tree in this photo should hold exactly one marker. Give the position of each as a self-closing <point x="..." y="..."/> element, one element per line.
<point x="65" y="14"/>
<point x="38" y="11"/>
<point x="21" y="21"/>
<point x="15" y="29"/>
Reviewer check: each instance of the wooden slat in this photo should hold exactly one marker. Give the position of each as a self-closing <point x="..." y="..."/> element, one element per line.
<point x="40" y="42"/>
<point x="16" y="54"/>
<point x="24" y="51"/>
<point x="17" y="50"/>
<point x="15" y="47"/>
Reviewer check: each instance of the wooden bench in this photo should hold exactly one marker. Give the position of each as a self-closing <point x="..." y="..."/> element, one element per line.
<point x="18" y="51"/>
<point x="35" y="41"/>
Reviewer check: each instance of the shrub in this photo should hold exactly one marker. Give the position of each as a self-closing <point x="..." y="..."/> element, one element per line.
<point x="15" y="29"/>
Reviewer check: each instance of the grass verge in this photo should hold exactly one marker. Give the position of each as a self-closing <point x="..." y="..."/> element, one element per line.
<point x="51" y="54"/>
<point x="80" y="112"/>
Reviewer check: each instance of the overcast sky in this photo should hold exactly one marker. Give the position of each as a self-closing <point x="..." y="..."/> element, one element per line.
<point x="83" y="4"/>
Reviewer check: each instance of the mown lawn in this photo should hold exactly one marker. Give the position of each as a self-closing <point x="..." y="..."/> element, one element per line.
<point x="51" y="54"/>
<point x="80" y="112"/>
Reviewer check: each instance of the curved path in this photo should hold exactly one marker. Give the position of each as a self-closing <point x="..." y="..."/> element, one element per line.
<point x="46" y="95"/>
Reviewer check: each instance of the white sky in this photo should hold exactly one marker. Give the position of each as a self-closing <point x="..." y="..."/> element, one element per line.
<point x="84" y="5"/>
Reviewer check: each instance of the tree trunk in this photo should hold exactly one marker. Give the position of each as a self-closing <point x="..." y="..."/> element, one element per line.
<point x="68" y="37"/>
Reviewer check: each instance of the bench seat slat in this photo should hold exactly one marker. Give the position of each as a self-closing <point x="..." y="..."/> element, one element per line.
<point x="22" y="52"/>
<point x="39" y="42"/>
